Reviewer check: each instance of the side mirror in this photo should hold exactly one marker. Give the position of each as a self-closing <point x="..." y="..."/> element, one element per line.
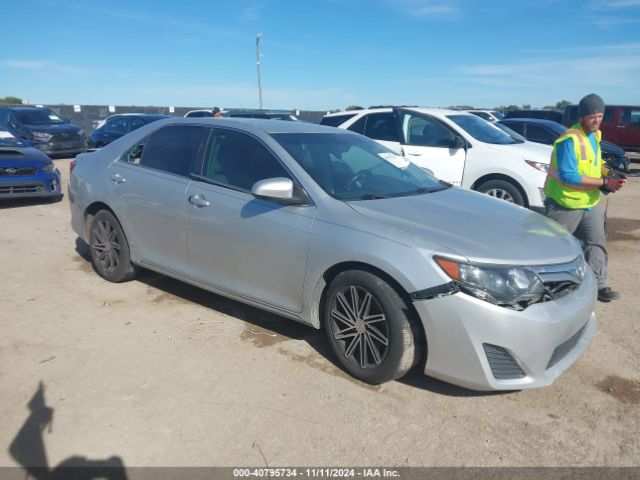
<point x="278" y="189"/>
<point x="458" y="142"/>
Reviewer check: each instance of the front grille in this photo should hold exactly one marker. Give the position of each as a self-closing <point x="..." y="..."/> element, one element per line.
<point x="558" y="289"/>
<point x="564" y="348"/>
<point x="65" y="137"/>
<point x="17" y="171"/>
<point x="13" y="189"/>
<point x="503" y="366"/>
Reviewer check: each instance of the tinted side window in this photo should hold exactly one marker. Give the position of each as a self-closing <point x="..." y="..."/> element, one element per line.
<point x="172" y="149"/>
<point x="117" y="126"/>
<point x="382" y="126"/>
<point x="608" y="114"/>
<point x="539" y="134"/>
<point x="238" y="160"/>
<point x="336" y="120"/>
<point x="515" y="126"/>
<point x="136" y="123"/>
<point x="630" y="115"/>
<point x="426" y="131"/>
<point x="359" y="125"/>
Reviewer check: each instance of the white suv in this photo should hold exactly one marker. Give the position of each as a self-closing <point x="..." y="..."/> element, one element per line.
<point x="459" y="148"/>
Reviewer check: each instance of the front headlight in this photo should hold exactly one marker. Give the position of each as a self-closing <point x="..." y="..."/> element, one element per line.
<point x="81" y="132"/>
<point x="508" y="286"/>
<point x="47" y="167"/>
<point x="543" y="167"/>
<point x="42" y="136"/>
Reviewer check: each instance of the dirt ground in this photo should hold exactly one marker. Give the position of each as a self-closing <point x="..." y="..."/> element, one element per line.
<point x="157" y="373"/>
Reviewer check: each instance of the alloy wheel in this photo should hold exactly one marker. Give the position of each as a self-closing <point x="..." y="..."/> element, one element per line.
<point x="359" y="326"/>
<point x="106" y="245"/>
<point x="501" y="194"/>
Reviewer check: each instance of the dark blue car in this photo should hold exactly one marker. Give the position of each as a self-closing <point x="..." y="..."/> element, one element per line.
<point x="26" y="171"/>
<point x="547" y="131"/>
<point x="47" y="131"/>
<point x="118" y="125"/>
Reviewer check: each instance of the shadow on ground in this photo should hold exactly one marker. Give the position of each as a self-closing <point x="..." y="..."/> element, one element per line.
<point x="7" y="204"/>
<point x="270" y="329"/>
<point x="28" y="449"/>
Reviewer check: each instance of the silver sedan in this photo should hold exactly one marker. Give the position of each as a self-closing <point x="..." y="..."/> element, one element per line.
<point x="331" y="229"/>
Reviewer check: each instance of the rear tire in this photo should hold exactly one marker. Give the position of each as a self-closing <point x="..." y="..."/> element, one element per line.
<point x="109" y="249"/>
<point x="504" y="190"/>
<point x="370" y="329"/>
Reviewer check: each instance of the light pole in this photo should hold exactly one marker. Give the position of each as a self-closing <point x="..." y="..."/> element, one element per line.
<point x="258" y="67"/>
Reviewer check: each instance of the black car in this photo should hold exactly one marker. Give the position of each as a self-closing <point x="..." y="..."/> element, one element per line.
<point x="547" y="131"/>
<point x="273" y="114"/>
<point x="555" y="115"/>
<point x="118" y="125"/>
<point x="43" y="127"/>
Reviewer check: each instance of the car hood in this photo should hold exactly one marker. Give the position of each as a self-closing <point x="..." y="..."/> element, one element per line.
<point x="528" y="150"/>
<point x="22" y="156"/>
<point x="476" y="226"/>
<point x="611" y="148"/>
<point x="55" y="129"/>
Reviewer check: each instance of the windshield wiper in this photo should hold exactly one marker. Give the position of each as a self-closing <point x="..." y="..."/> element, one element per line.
<point x="369" y="196"/>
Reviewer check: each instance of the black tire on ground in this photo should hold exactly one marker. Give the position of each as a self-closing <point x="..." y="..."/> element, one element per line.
<point x="503" y="190"/>
<point x="370" y="329"/>
<point x="109" y="249"/>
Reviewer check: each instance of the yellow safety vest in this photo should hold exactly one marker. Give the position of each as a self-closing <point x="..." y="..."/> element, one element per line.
<point x="589" y="164"/>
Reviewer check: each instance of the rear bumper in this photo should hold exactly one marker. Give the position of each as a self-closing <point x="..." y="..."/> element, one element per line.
<point x="44" y="185"/>
<point x="541" y="341"/>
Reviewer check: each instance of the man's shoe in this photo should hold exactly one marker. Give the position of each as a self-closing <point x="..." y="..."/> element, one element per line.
<point x="606" y="295"/>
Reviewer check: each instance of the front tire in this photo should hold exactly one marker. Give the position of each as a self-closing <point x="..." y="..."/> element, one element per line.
<point x="504" y="190"/>
<point x="370" y="328"/>
<point x="109" y="249"/>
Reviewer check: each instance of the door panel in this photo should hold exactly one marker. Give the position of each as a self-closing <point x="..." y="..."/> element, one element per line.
<point x="252" y="247"/>
<point x="150" y="205"/>
<point x="427" y="144"/>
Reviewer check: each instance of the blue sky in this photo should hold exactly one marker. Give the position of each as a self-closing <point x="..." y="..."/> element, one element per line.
<point x="320" y="54"/>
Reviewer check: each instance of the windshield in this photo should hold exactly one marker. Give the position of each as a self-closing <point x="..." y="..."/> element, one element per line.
<point x="353" y="167"/>
<point x="482" y="130"/>
<point x="39" y="116"/>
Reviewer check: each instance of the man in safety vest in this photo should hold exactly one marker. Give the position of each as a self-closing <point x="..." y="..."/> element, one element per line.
<point x="575" y="179"/>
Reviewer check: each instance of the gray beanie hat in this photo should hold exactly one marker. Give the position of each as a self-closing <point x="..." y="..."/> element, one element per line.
<point x="590" y="105"/>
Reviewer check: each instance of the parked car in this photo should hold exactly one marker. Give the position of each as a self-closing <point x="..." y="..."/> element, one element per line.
<point x="266" y="114"/>
<point x="620" y="125"/>
<point x="459" y="148"/>
<point x="45" y="128"/>
<point x="555" y="115"/>
<point x="199" y="113"/>
<point x="489" y="115"/>
<point x="26" y="171"/>
<point x="115" y="126"/>
<point x="334" y="230"/>
<point x="547" y="132"/>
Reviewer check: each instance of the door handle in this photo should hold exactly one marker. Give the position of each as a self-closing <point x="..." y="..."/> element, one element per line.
<point x="117" y="178"/>
<point x="199" y="201"/>
<point x="415" y="154"/>
<point x="620" y="126"/>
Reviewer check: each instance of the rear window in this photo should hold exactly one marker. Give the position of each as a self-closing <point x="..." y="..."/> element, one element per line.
<point x="336" y="120"/>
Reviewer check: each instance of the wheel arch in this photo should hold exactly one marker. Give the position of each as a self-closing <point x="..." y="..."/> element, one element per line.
<point x="503" y="177"/>
<point x="318" y="302"/>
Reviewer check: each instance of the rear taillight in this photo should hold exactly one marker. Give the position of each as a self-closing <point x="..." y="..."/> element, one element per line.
<point x="72" y="165"/>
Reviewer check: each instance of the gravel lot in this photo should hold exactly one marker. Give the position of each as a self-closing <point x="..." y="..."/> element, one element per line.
<point x="159" y="373"/>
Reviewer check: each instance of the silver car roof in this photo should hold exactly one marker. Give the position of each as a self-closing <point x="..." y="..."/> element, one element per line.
<point x="258" y="125"/>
